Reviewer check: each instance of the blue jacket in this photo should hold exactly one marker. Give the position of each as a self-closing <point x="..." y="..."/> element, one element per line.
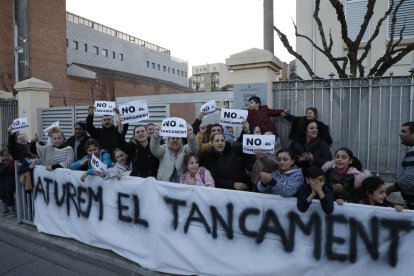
<point x="104" y="156"/>
<point x="285" y="184"/>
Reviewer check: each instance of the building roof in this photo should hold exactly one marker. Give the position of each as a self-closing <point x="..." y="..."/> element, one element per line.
<point x="120" y="74"/>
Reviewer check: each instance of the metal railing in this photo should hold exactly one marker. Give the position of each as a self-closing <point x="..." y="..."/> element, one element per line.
<point x="24" y="201"/>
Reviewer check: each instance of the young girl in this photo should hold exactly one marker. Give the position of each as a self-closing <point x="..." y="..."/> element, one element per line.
<point x="7" y="184"/>
<point x="344" y="176"/>
<point x="121" y="167"/>
<point x="92" y="147"/>
<point x="314" y="188"/>
<point x="194" y="174"/>
<point x="286" y="180"/>
<point x="373" y="190"/>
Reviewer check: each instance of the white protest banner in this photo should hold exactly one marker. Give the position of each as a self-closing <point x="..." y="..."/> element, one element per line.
<point x="208" y="107"/>
<point x="97" y="165"/>
<point x="55" y="124"/>
<point x="233" y="117"/>
<point x="185" y="230"/>
<point x="173" y="127"/>
<point x="133" y="112"/>
<point x="19" y="124"/>
<point x="104" y="108"/>
<point x="262" y="143"/>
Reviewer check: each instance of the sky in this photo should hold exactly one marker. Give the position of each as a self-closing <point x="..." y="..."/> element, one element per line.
<point x="196" y="31"/>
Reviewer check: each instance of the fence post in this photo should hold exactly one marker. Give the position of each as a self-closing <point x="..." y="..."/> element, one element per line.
<point x="32" y="94"/>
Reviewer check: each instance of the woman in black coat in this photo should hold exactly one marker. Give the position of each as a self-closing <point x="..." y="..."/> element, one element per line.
<point x="310" y="149"/>
<point x="226" y="164"/>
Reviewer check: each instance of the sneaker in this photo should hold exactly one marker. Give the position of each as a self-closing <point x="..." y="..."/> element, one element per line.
<point x="11" y="215"/>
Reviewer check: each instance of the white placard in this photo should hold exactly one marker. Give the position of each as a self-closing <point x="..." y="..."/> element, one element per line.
<point x="19" y="124"/>
<point x="208" y="107"/>
<point x="104" y="108"/>
<point x="185" y="229"/>
<point x="173" y="127"/>
<point x="97" y="165"/>
<point x="55" y="124"/>
<point x="133" y="112"/>
<point x="233" y="117"/>
<point x="262" y="143"/>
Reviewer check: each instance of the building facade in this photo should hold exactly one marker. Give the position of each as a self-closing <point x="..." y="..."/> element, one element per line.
<point x="211" y="77"/>
<point x="354" y="11"/>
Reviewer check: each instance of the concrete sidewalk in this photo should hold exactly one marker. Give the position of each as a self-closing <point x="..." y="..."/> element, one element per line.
<point x="74" y="249"/>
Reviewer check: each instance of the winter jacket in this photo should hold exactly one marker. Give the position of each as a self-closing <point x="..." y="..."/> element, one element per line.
<point x="262" y="118"/>
<point x="319" y="149"/>
<point x="298" y="127"/>
<point x="351" y="181"/>
<point x="327" y="203"/>
<point x="284" y="184"/>
<point x="55" y="157"/>
<point x="19" y="152"/>
<point x="170" y="160"/>
<point x="103" y="156"/>
<point x="80" y="151"/>
<point x="226" y="168"/>
<point x="202" y="178"/>
<point x="405" y="178"/>
<point x="144" y="163"/>
<point x="7" y="182"/>
<point x="108" y="137"/>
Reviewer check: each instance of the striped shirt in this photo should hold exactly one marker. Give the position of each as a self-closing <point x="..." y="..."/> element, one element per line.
<point x="405" y="179"/>
<point x="50" y="155"/>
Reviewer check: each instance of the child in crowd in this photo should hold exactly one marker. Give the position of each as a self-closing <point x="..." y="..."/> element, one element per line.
<point x="344" y="176"/>
<point x="7" y="184"/>
<point x="315" y="188"/>
<point x="286" y="180"/>
<point x="373" y="190"/>
<point x="92" y="147"/>
<point x="121" y="167"/>
<point x="194" y="174"/>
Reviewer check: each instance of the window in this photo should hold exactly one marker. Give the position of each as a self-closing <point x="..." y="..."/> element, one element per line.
<point x="196" y="70"/>
<point x="105" y="52"/>
<point x="153" y="65"/>
<point x="169" y="69"/>
<point x="86" y="47"/>
<point x="404" y="16"/>
<point x="355" y="11"/>
<point x="173" y="71"/>
<point x="75" y="45"/>
<point x="182" y="73"/>
<point x="113" y="55"/>
<point x="96" y="50"/>
<point x="185" y="74"/>
<point x="158" y="67"/>
<point x="178" y="72"/>
<point x="164" y="68"/>
<point x="121" y="57"/>
<point x="148" y="64"/>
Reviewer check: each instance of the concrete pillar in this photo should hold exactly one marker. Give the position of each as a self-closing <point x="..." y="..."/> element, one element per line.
<point x="268" y="32"/>
<point x="33" y="94"/>
<point x="254" y="72"/>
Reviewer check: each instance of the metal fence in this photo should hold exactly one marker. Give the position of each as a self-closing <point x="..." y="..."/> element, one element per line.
<point x="364" y="114"/>
<point x="8" y="112"/>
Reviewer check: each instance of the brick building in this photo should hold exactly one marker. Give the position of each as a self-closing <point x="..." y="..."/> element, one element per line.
<point x="46" y="57"/>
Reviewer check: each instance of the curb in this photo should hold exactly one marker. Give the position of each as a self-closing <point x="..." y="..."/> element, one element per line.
<point x="68" y="247"/>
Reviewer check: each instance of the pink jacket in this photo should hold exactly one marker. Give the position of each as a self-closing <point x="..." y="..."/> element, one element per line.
<point x="202" y="178"/>
<point x="359" y="176"/>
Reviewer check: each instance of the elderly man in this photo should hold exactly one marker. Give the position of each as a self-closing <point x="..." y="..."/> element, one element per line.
<point x="405" y="179"/>
<point x="109" y="136"/>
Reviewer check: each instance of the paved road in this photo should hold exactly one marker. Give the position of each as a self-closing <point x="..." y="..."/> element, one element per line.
<point x="21" y="257"/>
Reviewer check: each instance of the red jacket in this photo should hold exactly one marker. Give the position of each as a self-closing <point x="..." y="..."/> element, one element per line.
<point x="261" y="118"/>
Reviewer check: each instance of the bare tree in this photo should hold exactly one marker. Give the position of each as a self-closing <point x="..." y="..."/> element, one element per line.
<point x="354" y="57"/>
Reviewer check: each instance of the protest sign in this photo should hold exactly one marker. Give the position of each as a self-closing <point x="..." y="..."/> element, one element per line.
<point x="208" y="107"/>
<point x="55" y="124"/>
<point x="97" y="165"/>
<point x="19" y="124"/>
<point x="233" y="117"/>
<point x="104" y="108"/>
<point x="133" y="112"/>
<point x="262" y="143"/>
<point x="183" y="229"/>
<point x="173" y="127"/>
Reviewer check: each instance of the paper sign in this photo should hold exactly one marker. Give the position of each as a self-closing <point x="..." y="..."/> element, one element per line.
<point x="208" y="107"/>
<point x="173" y="127"/>
<point x="19" y="124"/>
<point x="97" y="165"/>
<point x="55" y="124"/>
<point x="104" y="108"/>
<point x="262" y="143"/>
<point x="233" y="117"/>
<point x="133" y="112"/>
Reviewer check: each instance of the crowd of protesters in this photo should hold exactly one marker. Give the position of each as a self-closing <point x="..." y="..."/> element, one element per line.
<point x="211" y="156"/>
